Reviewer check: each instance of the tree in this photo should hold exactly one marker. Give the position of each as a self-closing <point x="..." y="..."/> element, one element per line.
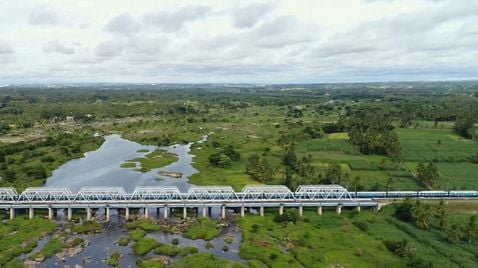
<point x="421" y="214"/>
<point x="333" y="174"/>
<point x="252" y="163"/>
<point x="356" y="183"/>
<point x="471" y="229"/>
<point x="442" y="215"/>
<point x="389" y="185"/>
<point x="428" y="174"/>
<point x="290" y="215"/>
<point x="454" y="234"/>
<point x="224" y="161"/>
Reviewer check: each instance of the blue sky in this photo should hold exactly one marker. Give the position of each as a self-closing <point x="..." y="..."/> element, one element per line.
<point x="296" y="41"/>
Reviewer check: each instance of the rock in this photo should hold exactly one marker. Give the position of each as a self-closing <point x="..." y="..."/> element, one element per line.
<point x="87" y="259"/>
<point x="30" y="264"/>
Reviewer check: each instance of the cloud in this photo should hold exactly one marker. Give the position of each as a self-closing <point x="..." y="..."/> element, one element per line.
<point x="58" y="47"/>
<point x="248" y="16"/>
<point x="174" y="21"/>
<point x="43" y="16"/>
<point x="5" y="48"/>
<point x="123" y="24"/>
<point x="107" y="49"/>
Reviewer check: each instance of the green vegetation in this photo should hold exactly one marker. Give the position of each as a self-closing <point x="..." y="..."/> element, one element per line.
<point x="86" y="227"/>
<point x="28" y="164"/>
<point x="379" y="136"/>
<point x="49" y="249"/>
<point x="147" y="225"/>
<point x="156" y="159"/>
<point x="205" y="260"/>
<point x="144" y="245"/>
<point x="113" y="260"/>
<point x="170" y="250"/>
<point x="137" y="234"/>
<point x="20" y="235"/>
<point x="205" y="228"/>
<point x="124" y="241"/>
<point x="188" y="250"/>
<point x="229" y="239"/>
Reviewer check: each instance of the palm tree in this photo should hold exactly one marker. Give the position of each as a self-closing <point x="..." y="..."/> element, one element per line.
<point x="442" y="215"/>
<point x="356" y="183"/>
<point x="471" y="229"/>
<point x="389" y="185"/>
<point x="454" y="234"/>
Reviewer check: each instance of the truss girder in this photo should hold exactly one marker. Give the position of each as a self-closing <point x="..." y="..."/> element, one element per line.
<point x="215" y="193"/>
<point x="45" y="194"/>
<point x="101" y="194"/>
<point x="314" y="192"/>
<point x="8" y="194"/>
<point x="262" y="192"/>
<point x="156" y="193"/>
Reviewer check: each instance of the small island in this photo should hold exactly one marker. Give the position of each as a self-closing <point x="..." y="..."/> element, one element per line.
<point x="156" y="159"/>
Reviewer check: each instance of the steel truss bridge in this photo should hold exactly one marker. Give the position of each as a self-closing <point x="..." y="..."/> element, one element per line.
<point x="166" y="197"/>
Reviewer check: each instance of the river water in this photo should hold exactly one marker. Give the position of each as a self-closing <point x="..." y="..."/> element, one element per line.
<point x="102" y="168"/>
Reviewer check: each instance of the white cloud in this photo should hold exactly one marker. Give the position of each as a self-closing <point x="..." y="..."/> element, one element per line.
<point x="43" y="16"/>
<point x="238" y="41"/>
<point x="58" y="47"/>
<point x="123" y="24"/>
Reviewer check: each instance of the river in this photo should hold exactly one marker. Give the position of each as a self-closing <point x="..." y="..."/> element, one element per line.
<point x="102" y="168"/>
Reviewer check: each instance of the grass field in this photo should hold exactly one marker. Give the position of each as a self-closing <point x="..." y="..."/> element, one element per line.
<point x="153" y="160"/>
<point x="333" y="240"/>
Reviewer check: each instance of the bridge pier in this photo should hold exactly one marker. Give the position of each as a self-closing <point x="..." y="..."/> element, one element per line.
<point x="378" y="207"/>
<point x="185" y="212"/>
<point x="12" y="213"/>
<point x="108" y="216"/>
<point x="165" y="212"/>
<point x="242" y="211"/>
<point x="50" y="213"/>
<point x="281" y="209"/>
<point x="358" y="208"/>
<point x="319" y="210"/>
<point x="339" y="209"/>
<point x="301" y="211"/>
<point x="261" y="211"/>
<point x="146" y="213"/>
<point x="126" y="213"/>
<point x="223" y="212"/>
<point x="204" y="211"/>
<point x="31" y="213"/>
<point x="88" y="214"/>
<point x="69" y="214"/>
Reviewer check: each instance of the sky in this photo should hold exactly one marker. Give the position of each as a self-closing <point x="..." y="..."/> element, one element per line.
<point x="228" y="41"/>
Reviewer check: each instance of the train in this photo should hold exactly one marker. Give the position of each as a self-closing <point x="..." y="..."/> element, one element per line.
<point x="415" y="194"/>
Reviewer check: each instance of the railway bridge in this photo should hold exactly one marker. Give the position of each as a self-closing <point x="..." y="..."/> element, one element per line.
<point x="167" y="198"/>
<point x="204" y="198"/>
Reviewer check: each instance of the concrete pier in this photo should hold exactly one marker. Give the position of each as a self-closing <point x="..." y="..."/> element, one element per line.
<point x="69" y="214"/>
<point x="185" y="212"/>
<point x="31" y="213"/>
<point x="319" y="210"/>
<point x="339" y="209"/>
<point x="358" y="208"/>
<point x="204" y="211"/>
<point x="12" y="213"/>
<point x="108" y="216"/>
<point x="242" y="212"/>
<point x="261" y="211"/>
<point x="88" y="214"/>
<point x="165" y="212"/>
<point x="281" y="209"/>
<point x="223" y="212"/>
<point x="301" y="211"/>
<point x="126" y="213"/>
<point x="146" y="213"/>
<point x="50" y="213"/>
